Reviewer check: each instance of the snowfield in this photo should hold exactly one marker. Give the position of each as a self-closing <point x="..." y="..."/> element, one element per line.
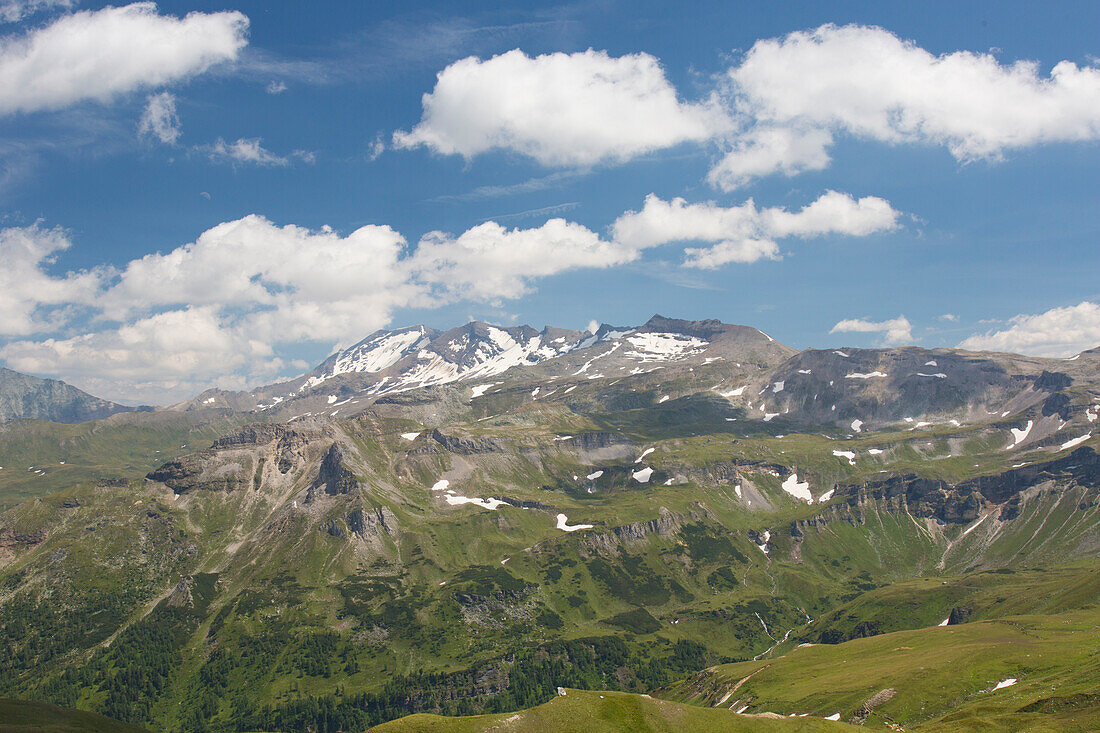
<point x="663" y="346"/>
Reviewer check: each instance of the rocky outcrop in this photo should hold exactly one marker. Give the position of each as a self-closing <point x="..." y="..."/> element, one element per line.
<point x="181" y="596"/>
<point x="1081" y="467"/>
<point x="202" y="472"/>
<point x="237" y="460"/>
<point x="597" y="440"/>
<point x="498" y="609"/>
<point x="918" y="496"/>
<point x="959" y="615"/>
<point x="864" y="711"/>
<point x="526" y="504"/>
<point x="665" y="525"/>
<point x="463" y="446"/>
<point x="962" y="502"/>
<point x="333" y="477"/>
<point x="13" y="541"/>
<point x="372" y="522"/>
<point x="290" y="446"/>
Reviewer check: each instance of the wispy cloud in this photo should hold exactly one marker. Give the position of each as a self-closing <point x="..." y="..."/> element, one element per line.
<point x="542" y="211"/>
<point x="541" y="183"/>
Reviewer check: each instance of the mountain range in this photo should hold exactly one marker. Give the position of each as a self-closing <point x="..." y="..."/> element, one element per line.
<point x="679" y="521"/>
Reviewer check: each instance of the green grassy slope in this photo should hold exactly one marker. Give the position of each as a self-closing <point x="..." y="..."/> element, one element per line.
<point x="943" y="678"/>
<point x="587" y="712"/>
<point x="21" y="716"/>
<point x="121" y="447"/>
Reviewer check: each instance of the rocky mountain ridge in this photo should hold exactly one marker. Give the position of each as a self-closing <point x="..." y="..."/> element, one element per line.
<point x="34" y="398"/>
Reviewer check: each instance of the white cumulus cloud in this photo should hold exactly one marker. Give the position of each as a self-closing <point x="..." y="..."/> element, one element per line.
<point x="766" y="150"/>
<point x="561" y="109"/>
<point x="746" y="233"/>
<point x="895" y="331"/>
<point x="777" y="110"/>
<point x="1058" y="332"/>
<point x="489" y="261"/>
<point x="869" y="83"/>
<point x="100" y="54"/>
<point x="28" y="292"/>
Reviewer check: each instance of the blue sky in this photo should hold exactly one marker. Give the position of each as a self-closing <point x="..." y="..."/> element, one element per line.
<point x="917" y="193"/>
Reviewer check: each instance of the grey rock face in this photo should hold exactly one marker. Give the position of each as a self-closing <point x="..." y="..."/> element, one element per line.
<point x="24" y="396"/>
<point x="334" y="477"/>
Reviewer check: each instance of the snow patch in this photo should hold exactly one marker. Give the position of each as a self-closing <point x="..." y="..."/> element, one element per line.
<point x="937" y="375"/>
<point x="734" y="392"/>
<point x="410" y="436"/>
<point x="846" y="454"/>
<point x="479" y="390"/>
<point x="1018" y="435"/>
<point x="1007" y="682"/>
<point x="841" y="353"/>
<point x="441" y="484"/>
<point x="663" y="399"/>
<point x="777" y="387"/>
<point x="642" y="476"/>
<point x="974" y="526"/>
<point x="457" y="500"/>
<point x="857" y="425"/>
<point x="594" y="475"/>
<point x="645" y="453"/>
<point x="798" y="490"/>
<point x="875" y="451"/>
<point x="944" y="622"/>
<point x="1076" y="441"/>
<point x="862" y="375"/>
<point x="564" y="526"/>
